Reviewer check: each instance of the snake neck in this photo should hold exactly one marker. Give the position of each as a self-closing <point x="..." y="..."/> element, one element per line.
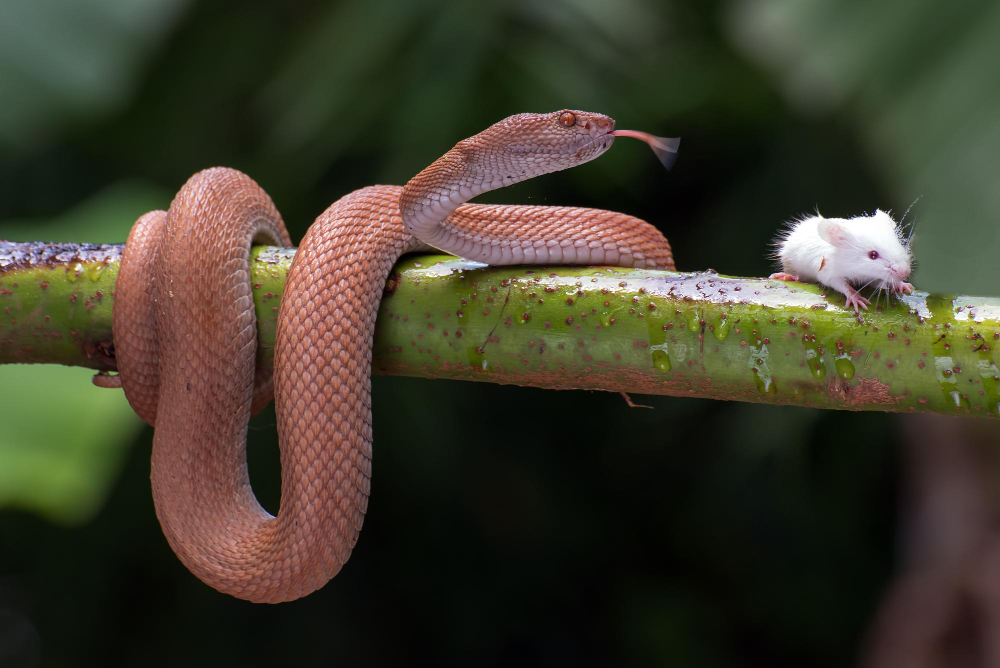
<point x="434" y="194"/>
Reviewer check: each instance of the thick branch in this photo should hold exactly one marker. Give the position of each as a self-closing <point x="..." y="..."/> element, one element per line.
<point x="623" y="330"/>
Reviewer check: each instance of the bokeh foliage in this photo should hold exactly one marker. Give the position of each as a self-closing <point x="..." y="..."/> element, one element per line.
<point x="506" y="525"/>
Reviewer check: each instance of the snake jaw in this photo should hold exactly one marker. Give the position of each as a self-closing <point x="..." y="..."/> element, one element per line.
<point x="592" y="148"/>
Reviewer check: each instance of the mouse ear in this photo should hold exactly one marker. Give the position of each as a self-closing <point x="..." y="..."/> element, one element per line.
<point x="832" y="232"/>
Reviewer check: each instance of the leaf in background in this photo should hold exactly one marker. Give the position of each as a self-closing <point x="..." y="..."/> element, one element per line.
<point x="63" y="441"/>
<point x="63" y="61"/>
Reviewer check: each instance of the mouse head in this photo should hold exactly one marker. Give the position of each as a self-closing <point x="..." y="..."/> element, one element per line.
<point x="871" y="248"/>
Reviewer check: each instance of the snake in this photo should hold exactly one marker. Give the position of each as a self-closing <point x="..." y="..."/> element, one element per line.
<point x="185" y="341"/>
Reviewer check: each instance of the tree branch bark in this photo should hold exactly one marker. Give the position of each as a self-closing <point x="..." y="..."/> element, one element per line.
<point x="604" y="328"/>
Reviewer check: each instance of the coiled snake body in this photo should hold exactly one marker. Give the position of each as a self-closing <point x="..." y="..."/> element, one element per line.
<point x="185" y="337"/>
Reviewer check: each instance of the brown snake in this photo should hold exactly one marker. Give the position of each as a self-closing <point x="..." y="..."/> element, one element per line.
<point x="185" y="337"/>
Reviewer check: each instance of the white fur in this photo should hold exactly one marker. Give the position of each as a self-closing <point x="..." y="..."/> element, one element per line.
<point x="836" y="252"/>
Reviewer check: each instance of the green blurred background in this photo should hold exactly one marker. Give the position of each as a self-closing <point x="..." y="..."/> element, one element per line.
<point x="507" y="526"/>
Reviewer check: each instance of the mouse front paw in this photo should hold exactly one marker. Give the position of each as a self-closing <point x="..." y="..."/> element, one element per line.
<point x="904" y="288"/>
<point x="855" y="299"/>
<point x="782" y="276"/>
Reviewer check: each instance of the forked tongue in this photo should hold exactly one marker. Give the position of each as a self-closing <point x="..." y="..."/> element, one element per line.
<point x="665" y="148"/>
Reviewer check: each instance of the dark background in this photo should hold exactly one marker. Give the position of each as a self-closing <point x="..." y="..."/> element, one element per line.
<point x="507" y="526"/>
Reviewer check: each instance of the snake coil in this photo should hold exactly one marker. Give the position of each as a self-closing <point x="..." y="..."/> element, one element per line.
<point x="185" y="337"/>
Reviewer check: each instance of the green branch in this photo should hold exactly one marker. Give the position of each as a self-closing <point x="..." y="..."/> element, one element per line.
<point x="603" y="328"/>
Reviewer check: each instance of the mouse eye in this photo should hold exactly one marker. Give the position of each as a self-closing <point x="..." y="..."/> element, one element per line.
<point x="873" y="255"/>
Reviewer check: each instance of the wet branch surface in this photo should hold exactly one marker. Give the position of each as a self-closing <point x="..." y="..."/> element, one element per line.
<point x="603" y="328"/>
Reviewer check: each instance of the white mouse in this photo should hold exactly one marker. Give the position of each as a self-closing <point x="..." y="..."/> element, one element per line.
<point x="837" y="252"/>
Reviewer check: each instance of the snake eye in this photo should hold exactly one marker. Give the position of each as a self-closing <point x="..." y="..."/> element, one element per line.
<point x="873" y="255"/>
<point x="567" y="119"/>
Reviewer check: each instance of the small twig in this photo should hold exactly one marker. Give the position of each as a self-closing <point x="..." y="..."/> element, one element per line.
<point x="630" y="403"/>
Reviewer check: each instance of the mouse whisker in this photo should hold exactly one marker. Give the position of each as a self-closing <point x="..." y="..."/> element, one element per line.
<point x="908" y="209"/>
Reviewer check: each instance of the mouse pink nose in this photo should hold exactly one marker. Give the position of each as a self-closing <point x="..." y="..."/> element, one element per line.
<point x="901" y="272"/>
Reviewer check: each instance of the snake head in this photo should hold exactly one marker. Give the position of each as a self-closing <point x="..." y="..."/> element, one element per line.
<point x="529" y="145"/>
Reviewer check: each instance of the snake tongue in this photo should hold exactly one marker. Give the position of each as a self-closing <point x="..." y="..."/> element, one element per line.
<point x="665" y="148"/>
